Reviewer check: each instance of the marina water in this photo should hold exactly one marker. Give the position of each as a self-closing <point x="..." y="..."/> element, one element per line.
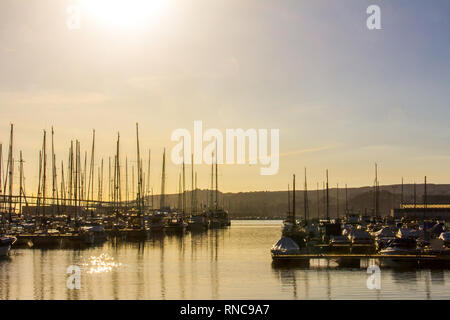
<point x="232" y="263"/>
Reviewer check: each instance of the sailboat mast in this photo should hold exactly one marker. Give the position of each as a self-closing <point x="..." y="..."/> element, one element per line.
<point x="139" y="172"/>
<point x="327" y="199"/>
<point x="118" y="181"/>
<point x="180" y="201"/>
<point x="56" y="186"/>
<point x="184" y="185"/>
<point x="90" y="192"/>
<point x="195" y="193"/>
<point x="110" y="197"/>
<point x="53" y="170"/>
<point x="75" y="190"/>
<point x="11" y="170"/>
<point x="217" y="183"/>
<point x="415" y="200"/>
<point x="289" y="201"/>
<point x="63" y="185"/>
<point x="21" y="183"/>
<point x="55" y="183"/>
<point x="100" y="196"/>
<point x="318" y="201"/>
<point x="126" y="181"/>
<point x="44" y="182"/>
<point x="211" y="201"/>
<point x="293" y="199"/>
<point x="337" y="200"/>
<point x="115" y="202"/>
<point x="401" y="197"/>
<point x="305" y="200"/>
<point x="38" y="202"/>
<point x="148" y="176"/>
<point x="192" y="184"/>
<point x="70" y="173"/>
<point x="376" y="191"/>
<point x="163" y="181"/>
<point x="83" y="183"/>
<point x="425" y="200"/>
<point x="346" y="200"/>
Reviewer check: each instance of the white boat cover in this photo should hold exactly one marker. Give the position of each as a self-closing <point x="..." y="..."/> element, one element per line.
<point x="384" y="233"/>
<point x="285" y="245"/>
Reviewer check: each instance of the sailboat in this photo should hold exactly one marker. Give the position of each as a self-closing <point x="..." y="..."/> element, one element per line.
<point x="157" y="220"/>
<point x="175" y="221"/>
<point x="290" y="222"/>
<point x="7" y="241"/>
<point x="291" y="228"/>
<point x="218" y="217"/>
<point x="198" y="220"/>
<point x="138" y="230"/>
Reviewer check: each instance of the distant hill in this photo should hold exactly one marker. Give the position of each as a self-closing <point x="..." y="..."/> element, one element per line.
<point x="359" y="200"/>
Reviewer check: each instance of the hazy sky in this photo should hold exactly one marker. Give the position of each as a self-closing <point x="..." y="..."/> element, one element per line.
<point x="343" y="97"/>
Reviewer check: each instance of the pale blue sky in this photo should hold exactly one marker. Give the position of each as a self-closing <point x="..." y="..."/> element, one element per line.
<point x="310" y="68"/>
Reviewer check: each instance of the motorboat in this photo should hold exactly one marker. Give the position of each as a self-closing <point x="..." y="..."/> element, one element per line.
<point x="218" y="218"/>
<point x="383" y="237"/>
<point x="175" y="223"/>
<point x="198" y="222"/>
<point x="400" y="252"/>
<point x="157" y="221"/>
<point x="401" y="246"/>
<point x="5" y="245"/>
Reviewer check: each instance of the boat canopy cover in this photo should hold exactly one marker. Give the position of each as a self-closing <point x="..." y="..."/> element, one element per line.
<point x="408" y="233"/>
<point x="360" y="234"/>
<point x="384" y="233"/>
<point x="285" y="245"/>
<point x="445" y="236"/>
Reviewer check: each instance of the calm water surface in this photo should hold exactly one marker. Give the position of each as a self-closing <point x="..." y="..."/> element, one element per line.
<point x="219" y="264"/>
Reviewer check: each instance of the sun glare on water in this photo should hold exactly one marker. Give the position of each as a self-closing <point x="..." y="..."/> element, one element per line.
<point x="125" y="13"/>
<point x="101" y="264"/>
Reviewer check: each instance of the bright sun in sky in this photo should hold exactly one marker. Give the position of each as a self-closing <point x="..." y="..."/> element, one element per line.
<point x="124" y="13"/>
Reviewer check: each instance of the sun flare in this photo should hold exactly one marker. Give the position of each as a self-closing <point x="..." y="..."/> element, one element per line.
<point x="124" y="13"/>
